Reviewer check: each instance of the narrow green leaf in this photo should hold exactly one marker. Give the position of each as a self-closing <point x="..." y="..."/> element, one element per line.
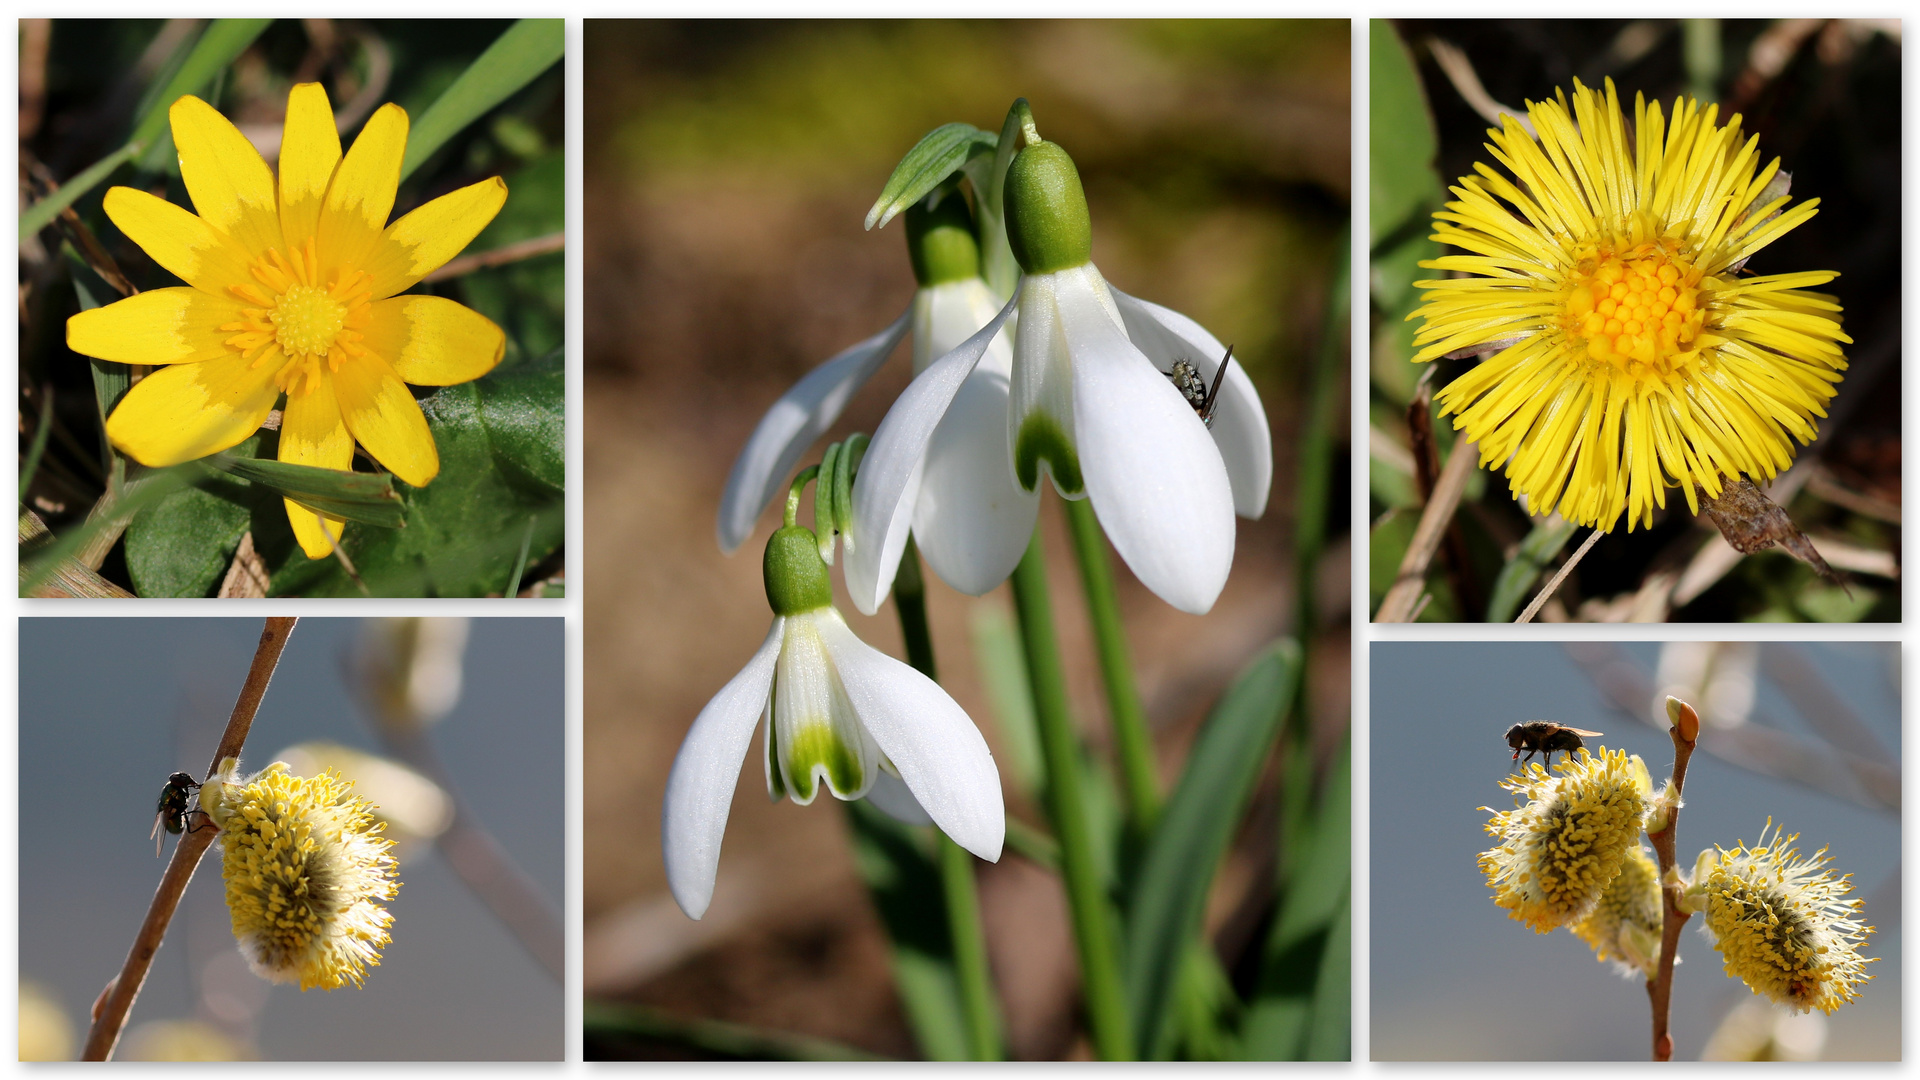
<point x="41" y="214"/>
<point x="998" y="654"/>
<point x="1330" y="1028"/>
<point x="934" y="158"/>
<point x="222" y="42"/>
<point x="905" y="885"/>
<point x="1400" y="135"/>
<point x="1184" y="852"/>
<point x="1514" y="587"/>
<point x="368" y="498"/>
<point x="133" y="498"/>
<point x="1279" y="1019"/>
<point x="515" y="59"/>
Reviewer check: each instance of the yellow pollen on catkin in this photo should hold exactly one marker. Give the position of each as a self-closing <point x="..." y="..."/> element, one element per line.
<point x="1637" y="309"/>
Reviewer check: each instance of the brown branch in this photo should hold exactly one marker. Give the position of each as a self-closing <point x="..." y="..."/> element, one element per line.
<point x="1686" y="734"/>
<point x="111" y="1015"/>
<point x="500" y="256"/>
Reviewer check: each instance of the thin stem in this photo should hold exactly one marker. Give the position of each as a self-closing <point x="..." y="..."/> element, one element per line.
<point x="112" y="1016"/>
<point x="978" y="1003"/>
<point x="1560" y="575"/>
<point x="1059" y="746"/>
<point x="1685" y="732"/>
<point x="1399" y="603"/>
<point x="1131" y="740"/>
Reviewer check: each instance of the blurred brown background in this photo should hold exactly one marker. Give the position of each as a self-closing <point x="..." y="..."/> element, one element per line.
<point x="728" y="168"/>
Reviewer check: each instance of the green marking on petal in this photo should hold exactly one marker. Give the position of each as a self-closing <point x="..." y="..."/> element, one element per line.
<point x="819" y="744"/>
<point x="1042" y="440"/>
<point x="776" y="788"/>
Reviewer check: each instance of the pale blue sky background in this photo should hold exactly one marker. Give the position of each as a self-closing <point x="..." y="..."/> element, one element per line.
<point x="1454" y="979"/>
<point x="108" y="707"/>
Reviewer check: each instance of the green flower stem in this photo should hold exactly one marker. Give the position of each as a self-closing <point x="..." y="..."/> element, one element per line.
<point x="1092" y="920"/>
<point x="977" y="999"/>
<point x="1131" y="741"/>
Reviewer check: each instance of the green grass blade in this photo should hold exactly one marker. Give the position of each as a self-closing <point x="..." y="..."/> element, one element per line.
<point x="222" y="42"/>
<point x="1514" y="587"/>
<point x="1330" y="1028"/>
<point x="133" y="498"/>
<point x="515" y="59"/>
<point x="41" y="214"/>
<point x="1170" y="893"/>
<point x="367" y="498"/>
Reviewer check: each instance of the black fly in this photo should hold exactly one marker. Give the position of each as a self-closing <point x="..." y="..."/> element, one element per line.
<point x="1186" y="379"/>
<point x="172" y="812"/>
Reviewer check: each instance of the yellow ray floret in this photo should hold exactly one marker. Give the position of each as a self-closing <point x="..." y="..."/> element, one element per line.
<point x="1603" y="272"/>
<point x="292" y="294"/>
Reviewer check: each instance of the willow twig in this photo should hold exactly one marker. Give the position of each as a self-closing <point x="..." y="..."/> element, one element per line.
<point x="1685" y="732"/>
<point x="112" y="1013"/>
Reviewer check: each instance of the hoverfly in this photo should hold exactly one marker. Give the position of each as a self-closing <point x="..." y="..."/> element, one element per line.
<point x="1544" y="737"/>
<point x="1186" y="379"/>
<point x="172" y="811"/>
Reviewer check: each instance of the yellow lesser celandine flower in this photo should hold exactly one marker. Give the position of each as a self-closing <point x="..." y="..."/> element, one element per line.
<point x="306" y="867"/>
<point x="1562" y="847"/>
<point x="1605" y="266"/>
<point x="1625" y="925"/>
<point x="1783" y="924"/>
<point x="292" y="287"/>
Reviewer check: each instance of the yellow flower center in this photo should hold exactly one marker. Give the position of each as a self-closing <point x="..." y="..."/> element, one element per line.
<point x="1636" y="306"/>
<point x="303" y="321"/>
<point x="308" y="320"/>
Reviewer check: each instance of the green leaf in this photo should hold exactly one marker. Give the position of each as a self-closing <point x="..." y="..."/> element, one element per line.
<point x="1003" y="670"/>
<point x="222" y="42"/>
<point x="1280" y="1015"/>
<point x="135" y="497"/>
<point x="934" y="158"/>
<point x="41" y="214"/>
<point x="368" y="498"/>
<point x="1400" y="136"/>
<point x="183" y="545"/>
<point x="528" y="48"/>
<point x="501" y="462"/>
<point x="1188" y="842"/>
<point x="1330" y="1026"/>
<point x="1514" y="587"/>
<point x="905" y="885"/>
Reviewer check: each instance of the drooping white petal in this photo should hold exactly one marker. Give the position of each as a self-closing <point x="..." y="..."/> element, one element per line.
<point x="791" y="425"/>
<point x="971" y="519"/>
<point x="1156" y="479"/>
<point x="1239" y="423"/>
<point x="928" y="737"/>
<point x="895" y="799"/>
<point x="700" y="787"/>
<point x="884" y="489"/>
<point x="818" y="739"/>
<point x="947" y="314"/>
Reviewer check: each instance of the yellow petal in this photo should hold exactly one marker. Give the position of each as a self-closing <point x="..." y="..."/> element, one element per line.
<point x="184" y="245"/>
<point x="312" y="432"/>
<point x="385" y="419"/>
<point x="232" y="187"/>
<point x="360" y="196"/>
<point x="188" y="411"/>
<point x="309" y="150"/>
<point x="424" y="240"/>
<point x="164" y="326"/>
<point x="432" y="341"/>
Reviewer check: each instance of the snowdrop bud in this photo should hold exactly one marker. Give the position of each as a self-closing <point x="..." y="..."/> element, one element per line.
<point x="1047" y="224"/>
<point x="940" y="240"/>
<point x="796" y="576"/>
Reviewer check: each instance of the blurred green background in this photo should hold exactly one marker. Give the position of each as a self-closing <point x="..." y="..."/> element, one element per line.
<point x="83" y="88"/>
<point x="1825" y="97"/>
<point x="729" y="166"/>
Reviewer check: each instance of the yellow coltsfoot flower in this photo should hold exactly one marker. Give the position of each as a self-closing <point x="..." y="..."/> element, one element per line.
<point x="1630" y="355"/>
<point x="1565" y="844"/>
<point x="1783" y="924"/>
<point x="292" y="287"/>
<point x="306" y="867"/>
<point x="1625" y="925"/>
